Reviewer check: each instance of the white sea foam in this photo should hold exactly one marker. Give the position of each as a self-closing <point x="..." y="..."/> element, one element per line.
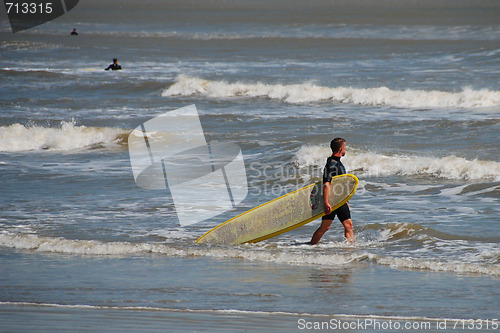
<point x="227" y="311"/>
<point x="373" y="164"/>
<point x="438" y="266"/>
<point x="18" y="138"/>
<point x="24" y="45"/>
<point x="92" y="247"/>
<point x="308" y="92"/>
<point x="246" y="252"/>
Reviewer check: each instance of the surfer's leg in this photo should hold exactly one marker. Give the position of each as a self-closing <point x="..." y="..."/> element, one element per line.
<point x="344" y="214"/>
<point x="325" y="225"/>
<point x="349" y="230"/>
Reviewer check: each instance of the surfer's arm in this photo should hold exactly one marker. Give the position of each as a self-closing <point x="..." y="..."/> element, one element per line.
<point x="326" y="197"/>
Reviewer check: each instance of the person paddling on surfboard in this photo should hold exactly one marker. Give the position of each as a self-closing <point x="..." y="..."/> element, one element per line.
<point x="334" y="168"/>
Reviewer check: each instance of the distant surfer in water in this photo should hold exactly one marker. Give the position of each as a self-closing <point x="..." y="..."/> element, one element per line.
<point x="114" y="66"/>
<point x="334" y="168"/>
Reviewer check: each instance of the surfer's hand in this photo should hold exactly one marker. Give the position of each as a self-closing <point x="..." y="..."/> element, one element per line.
<point x="328" y="208"/>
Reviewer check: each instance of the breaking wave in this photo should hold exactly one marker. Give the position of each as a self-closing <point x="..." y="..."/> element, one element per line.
<point x="373" y="164"/>
<point x="20" y="138"/>
<point x="309" y="92"/>
<point x="293" y="255"/>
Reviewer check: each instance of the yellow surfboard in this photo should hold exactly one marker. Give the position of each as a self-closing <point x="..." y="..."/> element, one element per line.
<point x="282" y="214"/>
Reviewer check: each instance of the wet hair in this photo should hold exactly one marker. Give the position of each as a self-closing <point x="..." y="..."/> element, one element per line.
<point x="336" y="144"/>
<point x="115" y="60"/>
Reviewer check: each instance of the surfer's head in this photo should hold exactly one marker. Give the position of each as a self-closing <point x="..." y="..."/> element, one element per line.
<point x="338" y="146"/>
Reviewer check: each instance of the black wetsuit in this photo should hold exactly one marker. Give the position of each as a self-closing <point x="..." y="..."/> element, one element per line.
<point x="334" y="168"/>
<point x="113" y="67"/>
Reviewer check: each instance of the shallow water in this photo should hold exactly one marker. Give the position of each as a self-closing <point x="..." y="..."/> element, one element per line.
<point x="414" y="90"/>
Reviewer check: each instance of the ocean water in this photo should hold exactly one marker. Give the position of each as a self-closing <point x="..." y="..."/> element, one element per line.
<point x="413" y="86"/>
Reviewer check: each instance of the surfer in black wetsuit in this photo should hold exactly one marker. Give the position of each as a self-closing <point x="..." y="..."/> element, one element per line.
<point x="334" y="168"/>
<point x="114" y="66"/>
<point x="74" y="33"/>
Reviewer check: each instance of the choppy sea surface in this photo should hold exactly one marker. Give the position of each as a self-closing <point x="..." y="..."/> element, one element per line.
<point x="413" y="86"/>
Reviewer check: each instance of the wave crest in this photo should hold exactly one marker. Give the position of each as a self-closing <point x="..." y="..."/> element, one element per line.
<point x="373" y="164"/>
<point x="19" y="138"/>
<point x="309" y="92"/>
